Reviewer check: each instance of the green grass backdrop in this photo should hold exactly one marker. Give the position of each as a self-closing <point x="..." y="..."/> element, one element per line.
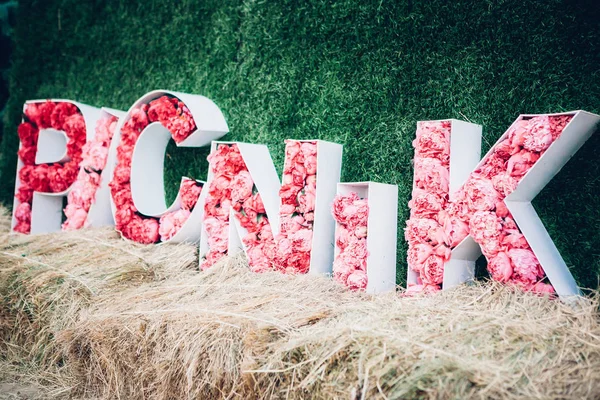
<point x="360" y="73"/>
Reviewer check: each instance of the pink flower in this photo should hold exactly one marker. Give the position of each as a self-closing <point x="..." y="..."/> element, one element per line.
<point x="455" y="230"/>
<point x="94" y="156"/>
<point x="218" y="234"/>
<point x="425" y="204"/>
<point x="40" y="113"/>
<point x="357" y="280"/>
<point x="291" y="225"/>
<point x="143" y="231"/>
<point x="226" y="160"/>
<point x="28" y="134"/>
<point x="433" y="270"/>
<point x="516" y="134"/>
<point x="241" y="187"/>
<point x="360" y="232"/>
<point x="23" y="212"/>
<point x="500" y="267"/>
<point x="189" y="193"/>
<point x="515" y="240"/>
<point x="492" y="166"/>
<point x="417" y="254"/>
<point x="287" y="209"/>
<point x="181" y="126"/>
<point x="504" y="183"/>
<point x="485" y="225"/>
<point x="171" y="223"/>
<point x="526" y="264"/>
<point x="24" y="194"/>
<point x="258" y="260"/>
<point x="306" y="202"/>
<point x="538" y="134"/>
<point x="60" y="113"/>
<point x="502" y="210"/>
<point x="22" y="227"/>
<point x="161" y="109"/>
<point x="543" y="288"/>
<point x="105" y="128"/>
<point x="413" y="290"/>
<point x="301" y="240"/>
<point x="342" y="237"/>
<point x="432" y="176"/>
<point x="490" y="247"/>
<point x="421" y="230"/>
<point x="27" y="154"/>
<point x="505" y="149"/>
<point x="289" y="194"/>
<point x="520" y="163"/>
<point x="433" y="140"/>
<point x="211" y="259"/>
<point x="480" y="192"/>
<point x="60" y="177"/>
<point x="76" y="217"/>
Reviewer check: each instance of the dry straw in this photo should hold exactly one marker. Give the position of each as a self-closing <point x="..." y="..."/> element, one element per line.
<point x="88" y="315"/>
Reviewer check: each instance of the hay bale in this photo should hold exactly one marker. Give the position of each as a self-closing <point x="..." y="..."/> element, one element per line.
<point x="98" y="317"/>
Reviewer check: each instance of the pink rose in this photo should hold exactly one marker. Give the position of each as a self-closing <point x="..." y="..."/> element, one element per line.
<point x="287" y="209"/>
<point x="500" y="267"/>
<point x="143" y="231"/>
<point x="306" y="202"/>
<point x="22" y="227"/>
<point x="526" y="264"/>
<point x="481" y="195"/>
<point x="520" y="163"/>
<point x="431" y="176"/>
<point x="538" y="134"/>
<point x="357" y="280"/>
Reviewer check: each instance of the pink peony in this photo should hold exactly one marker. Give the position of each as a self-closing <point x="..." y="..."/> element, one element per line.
<point x="515" y="240"/>
<point x="105" y="128"/>
<point x="171" y="223"/>
<point x="505" y="149"/>
<point x="422" y="230"/>
<point x="455" y="230"/>
<point x="211" y="259"/>
<point x="538" y="134"/>
<point x="28" y="134"/>
<point x="433" y="270"/>
<point x="22" y="227"/>
<point x="516" y="133"/>
<point x="520" y="163"/>
<point x="500" y="267"/>
<point x="24" y="194"/>
<point x="432" y="176"/>
<point x="492" y="166"/>
<point x="504" y="183"/>
<point x="76" y="217"/>
<point x="417" y="254"/>
<point x="480" y="193"/>
<point x="413" y="290"/>
<point x="144" y="231"/>
<point x="218" y="234"/>
<point x="485" y="225"/>
<point x="526" y="264"/>
<point x="433" y="140"/>
<point x="241" y="187"/>
<point x="189" y="193"/>
<point x="23" y="212"/>
<point x="502" y="210"/>
<point x="425" y="204"/>
<point x="357" y="280"/>
<point x="60" y="113"/>
<point x="306" y="202"/>
<point x="27" y="154"/>
<point x="94" y="156"/>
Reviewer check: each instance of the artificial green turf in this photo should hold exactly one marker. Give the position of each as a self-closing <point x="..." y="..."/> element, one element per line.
<point x="360" y="73"/>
